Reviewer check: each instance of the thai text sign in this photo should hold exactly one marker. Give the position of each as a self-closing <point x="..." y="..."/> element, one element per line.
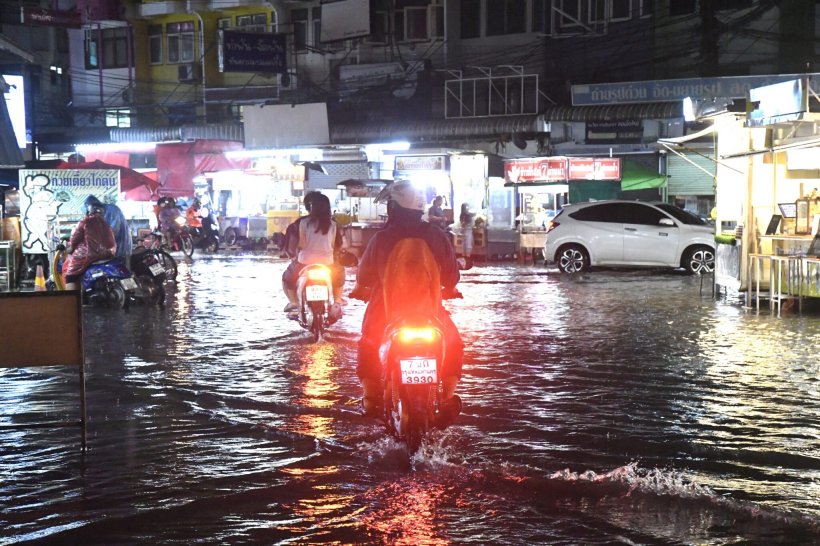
<point x="421" y="163"/>
<point x="553" y="169"/>
<point x="253" y="52"/>
<point x="50" y="18"/>
<point x="732" y="87"/>
<point x="47" y="194"/>
<point x="561" y="169"/>
<point x="594" y="168"/>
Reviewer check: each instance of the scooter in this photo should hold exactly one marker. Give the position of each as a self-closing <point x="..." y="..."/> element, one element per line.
<point x="109" y="282"/>
<point x="150" y="268"/>
<point x="207" y="237"/>
<point x="317" y="309"/>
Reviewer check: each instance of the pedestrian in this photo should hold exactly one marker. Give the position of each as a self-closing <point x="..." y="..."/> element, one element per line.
<point x="435" y="215"/>
<point x="466" y="220"/>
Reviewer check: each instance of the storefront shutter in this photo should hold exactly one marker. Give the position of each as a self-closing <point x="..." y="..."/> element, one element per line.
<point x="686" y="179"/>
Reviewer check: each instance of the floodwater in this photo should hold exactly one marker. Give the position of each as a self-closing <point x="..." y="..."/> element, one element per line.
<point x="605" y="408"/>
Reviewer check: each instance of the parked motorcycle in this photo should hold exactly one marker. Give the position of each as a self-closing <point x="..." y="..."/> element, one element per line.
<point x="110" y="283"/>
<point x="317" y="309"/>
<point x="152" y="269"/>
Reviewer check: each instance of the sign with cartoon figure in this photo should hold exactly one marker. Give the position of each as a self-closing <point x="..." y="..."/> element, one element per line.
<point x="59" y="193"/>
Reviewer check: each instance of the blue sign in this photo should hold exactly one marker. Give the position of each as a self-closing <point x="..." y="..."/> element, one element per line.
<point x="732" y="87"/>
<point x="254" y="52"/>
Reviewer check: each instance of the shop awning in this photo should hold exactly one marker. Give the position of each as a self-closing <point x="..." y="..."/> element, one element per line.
<point x="637" y="177"/>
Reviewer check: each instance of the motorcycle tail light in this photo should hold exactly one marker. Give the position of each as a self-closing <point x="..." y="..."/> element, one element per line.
<point x="318" y="275"/>
<point x="424" y="334"/>
<point x="552" y="225"/>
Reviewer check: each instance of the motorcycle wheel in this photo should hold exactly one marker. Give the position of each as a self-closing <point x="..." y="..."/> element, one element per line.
<point x="116" y="296"/>
<point x="212" y="244"/>
<point x="187" y="244"/>
<point x="230" y="236"/>
<point x="169" y="264"/>
<point x="154" y="291"/>
<point x="317" y="327"/>
<point x="418" y="424"/>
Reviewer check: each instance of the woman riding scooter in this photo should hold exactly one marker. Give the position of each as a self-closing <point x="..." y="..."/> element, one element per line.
<point x="92" y="240"/>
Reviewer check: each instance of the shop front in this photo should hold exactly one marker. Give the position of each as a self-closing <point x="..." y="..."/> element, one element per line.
<point x="768" y="197"/>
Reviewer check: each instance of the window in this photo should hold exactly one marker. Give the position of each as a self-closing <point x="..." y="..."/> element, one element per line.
<point x="180" y="42"/>
<point x="542" y="16"/>
<point x="257" y="22"/>
<point x="436" y="21"/>
<point x="570" y="15"/>
<point x="106" y="48"/>
<point x="470" y="19"/>
<point x="634" y="213"/>
<point x="155" y="44"/>
<point x="597" y="11"/>
<point x="621" y="10"/>
<point x="647" y="8"/>
<point x="118" y="118"/>
<point x="379" y="28"/>
<point x="506" y="17"/>
<point x="415" y="24"/>
<point x="299" y="19"/>
<point x="223" y="23"/>
<point x="681" y="7"/>
<point x="597" y="213"/>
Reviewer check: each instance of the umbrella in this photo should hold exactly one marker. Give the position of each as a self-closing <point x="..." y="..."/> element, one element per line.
<point x="135" y="185"/>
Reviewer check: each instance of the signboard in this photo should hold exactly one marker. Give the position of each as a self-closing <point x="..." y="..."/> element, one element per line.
<point x="561" y="169"/>
<point x="594" y="168"/>
<point x="733" y="87"/>
<point x="552" y="169"/>
<point x="344" y="19"/>
<point x="624" y="131"/>
<point x="777" y="103"/>
<point x="421" y="163"/>
<point x="50" y="18"/>
<point x="45" y="194"/>
<point x="253" y="52"/>
<point x="285" y="125"/>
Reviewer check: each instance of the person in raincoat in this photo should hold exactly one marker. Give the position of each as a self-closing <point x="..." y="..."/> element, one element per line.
<point x="119" y="225"/>
<point x="92" y="240"/>
<point x="405" y="206"/>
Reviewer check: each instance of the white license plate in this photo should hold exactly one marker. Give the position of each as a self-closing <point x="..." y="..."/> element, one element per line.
<point x="316" y="292"/>
<point x="156" y="269"/>
<point x="129" y="283"/>
<point x="418" y="371"/>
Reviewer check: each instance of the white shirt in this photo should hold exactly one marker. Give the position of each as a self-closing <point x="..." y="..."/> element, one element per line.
<point x="315" y="247"/>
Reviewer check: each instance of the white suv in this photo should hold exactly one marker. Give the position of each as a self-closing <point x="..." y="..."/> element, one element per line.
<point x="629" y="234"/>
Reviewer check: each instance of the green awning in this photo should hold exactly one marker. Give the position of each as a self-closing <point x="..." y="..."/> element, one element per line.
<point x="637" y="177"/>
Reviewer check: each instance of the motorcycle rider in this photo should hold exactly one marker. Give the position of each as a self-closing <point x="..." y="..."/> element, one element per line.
<point x="405" y="207"/>
<point x="193" y="217"/>
<point x="291" y="244"/>
<point x="319" y="239"/>
<point x="167" y="216"/>
<point x="119" y="225"/>
<point x="91" y="240"/>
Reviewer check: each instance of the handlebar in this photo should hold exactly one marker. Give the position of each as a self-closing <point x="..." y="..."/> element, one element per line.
<point x="363" y="294"/>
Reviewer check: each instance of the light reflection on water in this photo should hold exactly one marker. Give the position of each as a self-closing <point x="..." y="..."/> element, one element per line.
<point x="605" y="407"/>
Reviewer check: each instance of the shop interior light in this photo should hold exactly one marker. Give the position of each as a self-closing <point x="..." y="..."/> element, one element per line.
<point x="134" y="147"/>
<point x="297" y="154"/>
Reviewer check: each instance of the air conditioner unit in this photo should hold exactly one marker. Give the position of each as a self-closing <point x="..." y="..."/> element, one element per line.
<point x="188" y="72"/>
<point x="288" y="80"/>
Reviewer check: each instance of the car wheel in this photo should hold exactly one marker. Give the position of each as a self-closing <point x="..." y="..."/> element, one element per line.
<point x="699" y="260"/>
<point x="572" y="259"/>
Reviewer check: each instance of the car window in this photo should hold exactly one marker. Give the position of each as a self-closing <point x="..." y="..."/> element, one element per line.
<point x="605" y="212"/>
<point x="684" y="216"/>
<point x="637" y="213"/>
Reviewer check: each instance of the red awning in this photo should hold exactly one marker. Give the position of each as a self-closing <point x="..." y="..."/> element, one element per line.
<point x="179" y="163"/>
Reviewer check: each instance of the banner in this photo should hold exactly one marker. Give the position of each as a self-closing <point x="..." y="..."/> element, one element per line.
<point x="253" y="52"/>
<point x="552" y="169"/>
<point x="54" y="193"/>
<point x="594" y="168"/>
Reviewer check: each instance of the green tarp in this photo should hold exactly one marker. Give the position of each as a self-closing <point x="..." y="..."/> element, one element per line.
<point x="637" y="177"/>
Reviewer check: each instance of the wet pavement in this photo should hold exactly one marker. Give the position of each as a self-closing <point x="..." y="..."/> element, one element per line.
<point x="604" y="408"/>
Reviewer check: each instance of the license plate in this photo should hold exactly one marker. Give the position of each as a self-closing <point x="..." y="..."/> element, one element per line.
<point x="316" y="292"/>
<point x="418" y="371"/>
<point x="129" y="283"/>
<point x="156" y="269"/>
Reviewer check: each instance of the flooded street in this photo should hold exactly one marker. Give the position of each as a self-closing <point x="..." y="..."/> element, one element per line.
<point x="606" y="408"/>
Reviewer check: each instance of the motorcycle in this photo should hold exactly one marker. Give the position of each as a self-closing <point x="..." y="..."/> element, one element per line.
<point x="207" y="237"/>
<point x="181" y="241"/>
<point x="316" y="308"/>
<point x="109" y="282"/>
<point x="151" y="270"/>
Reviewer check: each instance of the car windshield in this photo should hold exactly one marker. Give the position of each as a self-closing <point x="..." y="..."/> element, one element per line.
<point x="682" y="215"/>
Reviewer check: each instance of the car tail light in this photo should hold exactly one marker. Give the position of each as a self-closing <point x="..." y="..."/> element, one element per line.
<point x="552" y="225"/>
